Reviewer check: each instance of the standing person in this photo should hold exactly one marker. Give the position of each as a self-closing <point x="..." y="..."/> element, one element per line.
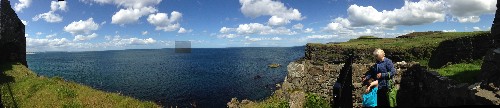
<point x="383" y="71"/>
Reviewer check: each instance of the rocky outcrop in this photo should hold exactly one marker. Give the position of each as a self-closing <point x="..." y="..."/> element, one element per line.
<point x="12" y="40"/>
<point x="463" y="49"/>
<point x="304" y="76"/>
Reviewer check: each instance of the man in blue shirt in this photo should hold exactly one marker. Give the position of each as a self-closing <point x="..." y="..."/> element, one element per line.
<point x="383" y="71"/>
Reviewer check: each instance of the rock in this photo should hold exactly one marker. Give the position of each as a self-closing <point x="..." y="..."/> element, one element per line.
<point x="257" y="77"/>
<point x="274" y="65"/>
<point x="12" y="39"/>
<point x="297" y="99"/>
<point x="489" y="70"/>
<point x="233" y="103"/>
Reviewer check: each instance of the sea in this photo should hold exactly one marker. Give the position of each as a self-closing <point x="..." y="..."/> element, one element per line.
<point x="205" y="77"/>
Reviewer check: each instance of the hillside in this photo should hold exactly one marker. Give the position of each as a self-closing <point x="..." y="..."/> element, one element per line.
<point x="20" y="87"/>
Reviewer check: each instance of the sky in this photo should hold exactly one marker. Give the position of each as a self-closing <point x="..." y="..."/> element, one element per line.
<point x="96" y="25"/>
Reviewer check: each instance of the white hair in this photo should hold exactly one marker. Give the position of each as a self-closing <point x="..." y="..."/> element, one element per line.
<point x="378" y="51"/>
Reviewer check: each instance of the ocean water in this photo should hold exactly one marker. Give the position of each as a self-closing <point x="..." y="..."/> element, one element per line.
<point x="207" y="77"/>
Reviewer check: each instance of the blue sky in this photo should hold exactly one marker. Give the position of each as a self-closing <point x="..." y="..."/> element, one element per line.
<point x="92" y="25"/>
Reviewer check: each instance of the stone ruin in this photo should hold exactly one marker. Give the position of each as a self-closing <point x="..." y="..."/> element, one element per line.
<point x="12" y="36"/>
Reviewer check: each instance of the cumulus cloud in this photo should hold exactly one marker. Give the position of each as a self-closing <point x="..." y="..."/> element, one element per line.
<point x="118" y="41"/>
<point x="470" y="10"/>
<point x="183" y="30"/>
<point x="412" y="13"/>
<point x="144" y="33"/>
<point x="21" y="5"/>
<point x="127" y="3"/>
<point x="131" y="10"/>
<point x="165" y="23"/>
<point x="82" y="27"/>
<point x="249" y="39"/>
<point x="476" y="28"/>
<point x="253" y="28"/>
<point x="454" y="30"/>
<point x="298" y="26"/>
<point x="53" y="43"/>
<point x="279" y="13"/>
<point x="51" y="16"/>
<point x="131" y="15"/>
<point x="309" y="30"/>
<point x="84" y="38"/>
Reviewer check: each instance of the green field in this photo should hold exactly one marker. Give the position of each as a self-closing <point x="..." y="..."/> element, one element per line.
<point x="20" y="87"/>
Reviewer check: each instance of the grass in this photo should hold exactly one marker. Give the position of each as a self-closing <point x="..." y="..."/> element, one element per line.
<point x="270" y="102"/>
<point x="20" y="87"/>
<point x="430" y="40"/>
<point x="462" y="72"/>
<point x="315" y="101"/>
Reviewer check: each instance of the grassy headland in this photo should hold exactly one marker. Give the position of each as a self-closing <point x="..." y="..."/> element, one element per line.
<point x="20" y="87"/>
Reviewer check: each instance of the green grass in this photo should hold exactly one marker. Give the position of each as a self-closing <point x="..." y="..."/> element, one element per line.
<point x="315" y="101"/>
<point x="20" y="87"/>
<point x="270" y="102"/>
<point x="462" y="72"/>
<point x="431" y="40"/>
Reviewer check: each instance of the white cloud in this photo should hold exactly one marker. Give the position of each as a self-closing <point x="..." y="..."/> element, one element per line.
<point x="58" y="5"/>
<point x="128" y="3"/>
<point x="225" y="30"/>
<point x="38" y="33"/>
<point x="51" y="16"/>
<point x="51" y="36"/>
<point x="249" y="39"/>
<point x="21" y="5"/>
<point x="321" y="36"/>
<point x="132" y="10"/>
<point x="253" y="28"/>
<point x="279" y="13"/>
<point x="82" y="27"/>
<point x="470" y="10"/>
<point x="412" y="13"/>
<point x="454" y="30"/>
<point x="298" y="26"/>
<point x="144" y="33"/>
<point x="118" y="41"/>
<point x="182" y="30"/>
<point x="36" y="43"/>
<point x="84" y="38"/>
<point x="309" y="30"/>
<point x="163" y="22"/>
<point x="131" y="15"/>
<point x="476" y="28"/>
<point x="24" y="22"/>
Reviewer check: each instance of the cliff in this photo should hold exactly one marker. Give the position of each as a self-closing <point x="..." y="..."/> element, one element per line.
<point x="12" y="40"/>
<point x="333" y="71"/>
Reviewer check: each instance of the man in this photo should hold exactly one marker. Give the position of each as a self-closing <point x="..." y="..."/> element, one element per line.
<point x="383" y="71"/>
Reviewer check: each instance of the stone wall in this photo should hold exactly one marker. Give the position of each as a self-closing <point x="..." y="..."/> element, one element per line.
<point x="319" y="79"/>
<point x="419" y="87"/>
<point x="12" y="40"/>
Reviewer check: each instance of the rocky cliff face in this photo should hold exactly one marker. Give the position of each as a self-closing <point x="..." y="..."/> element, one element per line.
<point x="12" y="40"/>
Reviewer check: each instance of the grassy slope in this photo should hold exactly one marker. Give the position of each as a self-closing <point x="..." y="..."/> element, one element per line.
<point x="20" y="87"/>
<point x="462" y="72"/>
<point x="431" y="40"/>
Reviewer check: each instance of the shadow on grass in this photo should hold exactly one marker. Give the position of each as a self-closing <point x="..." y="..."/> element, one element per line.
<point x="6" y="80"/>
<point x="468" y="76"/>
